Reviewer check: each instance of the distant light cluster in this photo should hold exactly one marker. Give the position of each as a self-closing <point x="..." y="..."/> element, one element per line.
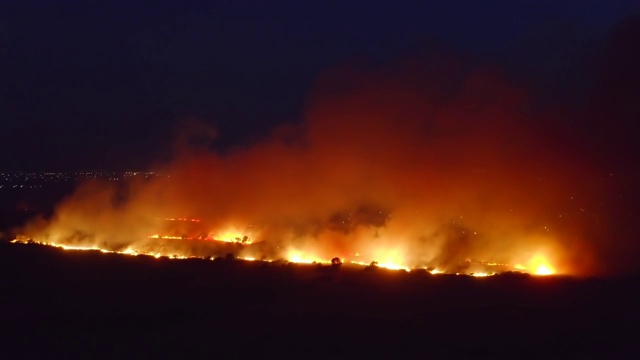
<point x="36" y="180"/>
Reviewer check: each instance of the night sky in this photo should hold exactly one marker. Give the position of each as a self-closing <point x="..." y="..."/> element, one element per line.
<point x="107" y="84"/>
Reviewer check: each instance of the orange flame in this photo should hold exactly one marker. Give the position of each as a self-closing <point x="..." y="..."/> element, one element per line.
<point x="541" y="266"/>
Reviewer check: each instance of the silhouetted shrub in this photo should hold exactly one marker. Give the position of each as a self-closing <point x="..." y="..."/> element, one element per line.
<point x="336" y="262"/>
<point x="372" y="266"/>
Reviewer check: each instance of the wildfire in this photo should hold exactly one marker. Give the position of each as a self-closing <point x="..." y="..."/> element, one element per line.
<point x="386" y="265"/>
<point x="543" y="270"/>
<point x="180" y="219"/>
<point x="157" y="236"/>
<point x="372" y="176"/>
<point x="481" y="274"/>
<point x="232" y="236"/>
<point x="224" y="238"/>
<point x="192" y="229"/>
<point x="298" y="257"/>
<point x="542" y="266"/>
<point x="539" y="264"/>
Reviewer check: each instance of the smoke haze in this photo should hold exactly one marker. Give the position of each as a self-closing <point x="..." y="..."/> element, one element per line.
<point x="419" y="162"/>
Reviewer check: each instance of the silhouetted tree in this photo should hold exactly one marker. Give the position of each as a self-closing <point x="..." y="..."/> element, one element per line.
<point x="336" y="262"/>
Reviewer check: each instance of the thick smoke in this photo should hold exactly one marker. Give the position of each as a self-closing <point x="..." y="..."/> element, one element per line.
<point x="416" y="163"/>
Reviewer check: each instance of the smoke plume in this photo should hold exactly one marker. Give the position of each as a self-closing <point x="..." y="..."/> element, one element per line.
<point x="424" y="164"/>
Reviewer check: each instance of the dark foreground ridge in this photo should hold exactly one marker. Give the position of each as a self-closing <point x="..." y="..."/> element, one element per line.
<point x="86" y="304"/>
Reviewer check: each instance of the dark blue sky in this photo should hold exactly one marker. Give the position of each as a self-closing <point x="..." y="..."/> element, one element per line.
<point x="103" y="84"/>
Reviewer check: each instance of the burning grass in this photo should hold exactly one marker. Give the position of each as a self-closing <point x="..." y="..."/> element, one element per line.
<point x="297" y="257"/>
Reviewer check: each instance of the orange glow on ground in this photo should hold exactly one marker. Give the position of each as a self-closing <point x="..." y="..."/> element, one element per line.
<point x="539" y="264"/>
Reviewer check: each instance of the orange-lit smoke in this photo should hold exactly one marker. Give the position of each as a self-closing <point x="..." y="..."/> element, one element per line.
<point x="399" y="168"/>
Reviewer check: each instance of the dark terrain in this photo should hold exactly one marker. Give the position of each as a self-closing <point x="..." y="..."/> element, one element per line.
<point x="58" y="303"/>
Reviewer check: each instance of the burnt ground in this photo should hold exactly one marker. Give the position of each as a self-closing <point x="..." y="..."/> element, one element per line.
<point x="57" y="303"/>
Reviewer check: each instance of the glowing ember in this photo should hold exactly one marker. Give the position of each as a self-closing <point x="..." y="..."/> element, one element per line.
<point x="181" y="219"/>
<point x="481" y="274"/>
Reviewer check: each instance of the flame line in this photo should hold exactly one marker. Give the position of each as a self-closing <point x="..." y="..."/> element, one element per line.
<point x="294" y="259"/>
